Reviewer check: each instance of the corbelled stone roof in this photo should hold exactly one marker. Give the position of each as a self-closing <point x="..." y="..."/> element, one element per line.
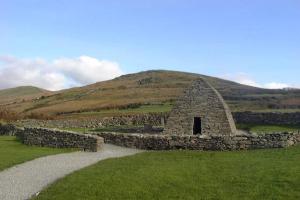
<point x="203" y="101"/>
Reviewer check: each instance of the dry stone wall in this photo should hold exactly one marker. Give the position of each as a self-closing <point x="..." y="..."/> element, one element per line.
<point x="204" y="102"/>
<point x="267" y="118"/>
<point x="195" y="142"/>
<point x="66" y="139"/>
<point x="136" y="120"/>
<point x="160" y="120"/>
<point x="8" y="129"/>
<point x="60" y="139"/>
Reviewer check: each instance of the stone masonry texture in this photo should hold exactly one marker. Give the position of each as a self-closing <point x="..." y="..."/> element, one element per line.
<point x="203" y="101"/>
<point x="201" y="142"/>
<point x="60" y="139"/>
<point x="158" y="119"/>
<point x="8" y="129"/>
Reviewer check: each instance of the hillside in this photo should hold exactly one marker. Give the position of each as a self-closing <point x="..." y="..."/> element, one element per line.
<point x="152" y="91"/>
<point x="23" y="93"/>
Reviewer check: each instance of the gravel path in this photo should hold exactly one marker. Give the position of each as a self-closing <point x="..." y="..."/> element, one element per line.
<point x="26" y="180"/>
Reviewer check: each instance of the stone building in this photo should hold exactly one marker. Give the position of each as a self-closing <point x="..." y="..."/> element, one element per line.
<point x="201" y="110"/>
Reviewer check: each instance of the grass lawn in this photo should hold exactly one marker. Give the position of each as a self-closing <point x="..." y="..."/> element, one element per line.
<point x="144" y="109"/>
<point x="258" y="174"/>
<point x="160" y="108"/>
<point x="13" y="152"/>
<point x="279" y="110"/>
<point x="267" y="128"/>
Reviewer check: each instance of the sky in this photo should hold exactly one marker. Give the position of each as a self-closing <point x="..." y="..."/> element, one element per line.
<point x="57" y="44"/>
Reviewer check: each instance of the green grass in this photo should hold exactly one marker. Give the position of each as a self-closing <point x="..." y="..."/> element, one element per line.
<point x="258" y="174"/>
<point x="279" y="110"/>
<point x="13" y="152"/>
<point x="257" y="128"/>
<point x="80" y="130"/>
<point x="160" y="108"/>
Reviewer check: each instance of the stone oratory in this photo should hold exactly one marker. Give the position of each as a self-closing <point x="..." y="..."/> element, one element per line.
<point x="201" y="110"/>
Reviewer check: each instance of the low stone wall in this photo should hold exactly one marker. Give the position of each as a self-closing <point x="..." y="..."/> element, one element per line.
<point x="160" y="119"/>
<point x="8" y="129"/>
<point x="137" y="120"/>
<point x="214" y="143"/>
<point x="60" y="139"/>
<point x="267" y="118"/>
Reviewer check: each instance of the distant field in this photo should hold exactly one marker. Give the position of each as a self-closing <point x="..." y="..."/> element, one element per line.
<point x="258" y="128"/>
<point x="144" y="109"/>
<point x="18" y="94"/>
<point x="12" y="152"/>
<point x="148" y="89"/>
<point x="257" y="174"/>
<point x="279" y="110"/>
<point x="162" y="108"/>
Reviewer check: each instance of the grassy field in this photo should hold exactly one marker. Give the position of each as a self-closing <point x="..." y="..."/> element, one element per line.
<point x="146" y="88"/>
<point x="257" y="128"/>
<point x="144" y="109"/>
<point x="258" y="174"/>
<point x="12" y="152"/>
<point x="19" y="94"/>
<point x="159" y="108"/>
<point x="279" y="110"/>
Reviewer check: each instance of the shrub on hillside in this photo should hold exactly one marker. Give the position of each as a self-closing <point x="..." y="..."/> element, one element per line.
<point x="40" y="116"/>
<point x="7" y="115"/>
<point x="130" y="106"/>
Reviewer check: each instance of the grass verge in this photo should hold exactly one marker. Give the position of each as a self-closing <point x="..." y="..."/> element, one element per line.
<point x="259" y="174"/>
<point x="258" y="128"/>
<point x="13" y="152"/>
<point x="143" y="109"/>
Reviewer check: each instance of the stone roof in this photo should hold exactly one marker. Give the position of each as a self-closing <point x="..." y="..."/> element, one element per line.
<point x="204" y="102"/>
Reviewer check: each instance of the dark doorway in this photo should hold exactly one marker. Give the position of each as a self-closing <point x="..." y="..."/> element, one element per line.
<point x="197" y="126"/>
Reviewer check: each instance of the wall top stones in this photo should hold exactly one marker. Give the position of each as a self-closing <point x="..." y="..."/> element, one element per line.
<point x="272" y="118"/>
<point x="60" y="139"/>
<point x="202" y="142"/>
<point x="203" y="101"/>
<point x="158" y="119"/>
<point x="8" y="129"/>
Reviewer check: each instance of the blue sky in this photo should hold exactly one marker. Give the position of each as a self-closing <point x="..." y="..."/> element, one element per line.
<point x="256" y="42"/>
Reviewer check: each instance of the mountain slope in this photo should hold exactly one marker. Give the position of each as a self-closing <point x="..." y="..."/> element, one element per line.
<point x="23" y="93"/>
<point x="154" y="88"/>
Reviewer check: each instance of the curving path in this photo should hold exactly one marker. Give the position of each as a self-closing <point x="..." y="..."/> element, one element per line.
<point x="26" y="180"/>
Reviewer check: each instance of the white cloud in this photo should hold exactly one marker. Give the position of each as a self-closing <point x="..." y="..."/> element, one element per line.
<point x="241" y="78"/>
<point x="274" y="85"/>
<point x="86" y="69"/>
<point x="57" y="74"/>
<point x="245" y="79"/>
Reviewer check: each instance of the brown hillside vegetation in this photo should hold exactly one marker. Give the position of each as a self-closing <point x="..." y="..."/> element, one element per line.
<point x="153" y="88"/>
<point x="23" y="93"/>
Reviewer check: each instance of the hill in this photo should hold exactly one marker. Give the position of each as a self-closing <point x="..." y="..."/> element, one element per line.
<point x="152" y="91"/>
<point x="23" y="93"/>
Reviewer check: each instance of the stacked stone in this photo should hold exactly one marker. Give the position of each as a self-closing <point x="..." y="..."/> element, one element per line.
<point x="203" y="101"/>
<point x="159" y="119"/>
<point x="267" y="118"/>
<point x="196" y="142"/>
<point x="8" y="129"/>
<point x="60" y="139"/>
<point x="155" y="119"/>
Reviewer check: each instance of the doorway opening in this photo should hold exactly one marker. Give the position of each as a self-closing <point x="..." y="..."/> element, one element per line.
<point x="197" y="126"/>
